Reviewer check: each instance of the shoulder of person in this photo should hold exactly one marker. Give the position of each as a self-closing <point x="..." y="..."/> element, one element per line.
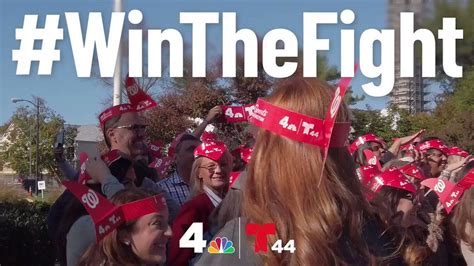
<point x="84" y="226"/>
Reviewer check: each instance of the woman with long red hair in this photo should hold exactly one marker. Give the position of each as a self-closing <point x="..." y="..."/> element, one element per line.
<point x="325" y="214"/>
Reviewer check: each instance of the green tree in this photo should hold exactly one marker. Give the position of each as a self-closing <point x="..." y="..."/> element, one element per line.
<point x="22" y="139"/>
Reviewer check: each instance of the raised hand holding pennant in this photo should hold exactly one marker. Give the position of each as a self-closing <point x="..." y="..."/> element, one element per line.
<point x="138" y="98"/>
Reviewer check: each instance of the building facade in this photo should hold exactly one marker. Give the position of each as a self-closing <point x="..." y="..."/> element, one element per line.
<point x="407" y="93"/>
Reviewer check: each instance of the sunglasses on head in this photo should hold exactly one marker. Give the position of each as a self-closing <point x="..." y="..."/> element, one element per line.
<point x="134" y="127"/>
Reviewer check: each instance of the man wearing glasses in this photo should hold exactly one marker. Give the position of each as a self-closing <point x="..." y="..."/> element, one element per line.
<point x="124" y="130"/>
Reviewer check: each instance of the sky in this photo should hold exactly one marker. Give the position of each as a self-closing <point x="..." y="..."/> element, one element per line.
<point x="80" y="100"/>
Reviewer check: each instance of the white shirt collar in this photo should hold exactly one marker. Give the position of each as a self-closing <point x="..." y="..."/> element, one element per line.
<point x="215" y="199"/>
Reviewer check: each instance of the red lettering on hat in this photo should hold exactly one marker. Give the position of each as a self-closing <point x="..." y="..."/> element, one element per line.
<point x="212" y="150"/>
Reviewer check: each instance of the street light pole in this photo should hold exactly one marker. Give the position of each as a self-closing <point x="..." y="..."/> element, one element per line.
<point x="37" y="141"/>
<point x="29" y="148"/>
<point x="37" y="105"/>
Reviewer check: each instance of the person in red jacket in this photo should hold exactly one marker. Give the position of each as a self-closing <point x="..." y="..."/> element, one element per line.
<point x="209" y="184"/>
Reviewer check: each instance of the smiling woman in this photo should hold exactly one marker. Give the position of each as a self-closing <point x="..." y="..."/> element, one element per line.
<point x="142" y="241"/>
<point x="209" y="184"/>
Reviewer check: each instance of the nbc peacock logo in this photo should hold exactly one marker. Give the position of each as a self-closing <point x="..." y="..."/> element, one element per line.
<point x="221" y="245"/>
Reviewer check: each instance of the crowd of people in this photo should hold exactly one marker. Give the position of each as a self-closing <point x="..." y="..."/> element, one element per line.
<point x="359" y="203"/>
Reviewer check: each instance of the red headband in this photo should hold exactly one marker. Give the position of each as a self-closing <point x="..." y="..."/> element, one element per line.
<point x="364" y="139"/>
<point x="106" y="215"/>
<point x="457" y="151"/>
<point x="114" y="111"/>
<point x="413" y="171"/>
<point x="391" y="177"/>
<point x="212" y="150"/>
<point x="432" y="144"/>
<point x="138" y="98"/>
<point x="302" y="128"/>
<point x="292" y="125"/>
<point x="449" y="193"/>
<point x="161" y="164"/>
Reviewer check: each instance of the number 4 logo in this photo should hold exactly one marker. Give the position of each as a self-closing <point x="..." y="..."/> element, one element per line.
<point x="198" y="243"/>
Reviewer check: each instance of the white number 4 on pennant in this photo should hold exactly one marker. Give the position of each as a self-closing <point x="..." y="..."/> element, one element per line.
<point x="284" y="122"/>
<point x="229" y="112"/>
<point x="198" y="243"/>
<point x="290" y="246"/>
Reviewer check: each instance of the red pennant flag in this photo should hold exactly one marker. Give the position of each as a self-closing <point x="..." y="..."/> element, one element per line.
<point x="233" y="177"/>
<point x="372" y="159"/>
<point x="237" y="114"/>
<point x="155" y="148"/>
<point x="106" y="215"/>
<point x="161" y="164"/>
<point x="111" y="157"/>
<point x="83" y="175"/>
<point x="413" y="171"/>
<point x="246" y="154"/>
<point x="391" y="177"/>
<point x="138" y="98"/>
<point x="367" y="173"/>
<point x="457" y="151"/>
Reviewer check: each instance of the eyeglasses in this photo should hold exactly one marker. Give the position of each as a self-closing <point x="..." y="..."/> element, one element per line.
<point x="212" y="168"/>
<point x="135" y="128"/>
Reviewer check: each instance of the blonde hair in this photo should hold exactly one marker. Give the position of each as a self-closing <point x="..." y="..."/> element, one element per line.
<point x="285" y="186"/>
<point x="195" y="183"/>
